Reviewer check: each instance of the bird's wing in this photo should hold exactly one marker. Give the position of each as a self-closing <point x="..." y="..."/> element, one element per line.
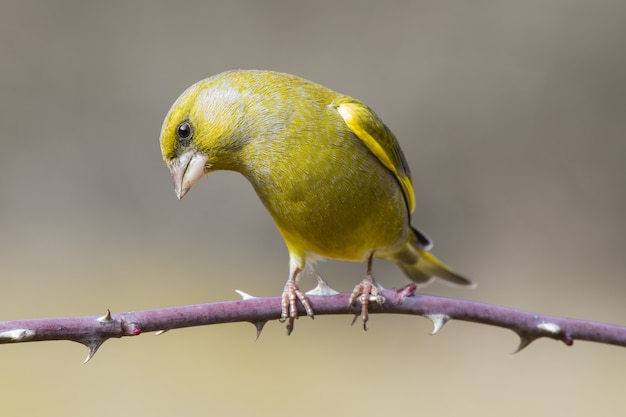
<point x="368" y="127"/>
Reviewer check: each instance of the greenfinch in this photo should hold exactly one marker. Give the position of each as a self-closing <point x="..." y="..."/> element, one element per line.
<point x="329" y="172"/>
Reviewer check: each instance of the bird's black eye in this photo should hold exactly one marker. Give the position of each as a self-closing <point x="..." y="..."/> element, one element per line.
<point x="183" y="131"/>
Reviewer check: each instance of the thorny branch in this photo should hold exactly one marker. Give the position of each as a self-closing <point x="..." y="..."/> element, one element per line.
<point x="92" y="331"/>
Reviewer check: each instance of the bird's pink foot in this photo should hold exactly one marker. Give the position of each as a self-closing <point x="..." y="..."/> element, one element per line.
<point x="366" y="291"/>
<point x="289" y="308"/>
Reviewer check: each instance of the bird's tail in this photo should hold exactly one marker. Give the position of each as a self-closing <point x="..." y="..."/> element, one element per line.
<point x="422" y="266"/>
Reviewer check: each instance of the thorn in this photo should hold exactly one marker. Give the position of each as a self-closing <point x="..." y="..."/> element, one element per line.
<point x="107" y="318"/>
<point x="259" y="328"/>
<point x="160" y="332"/>
<point x="322" y="288"/>
<point x="93" y="347"/>
<point x="439" y="320"/>
<point x="524" y="342"/>
<point x="245" y="295"/>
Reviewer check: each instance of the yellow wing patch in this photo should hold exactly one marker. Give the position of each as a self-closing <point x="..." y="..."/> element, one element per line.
<point x="366" y="125"/>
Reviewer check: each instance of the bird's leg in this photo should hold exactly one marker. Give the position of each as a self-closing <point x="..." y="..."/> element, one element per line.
<point x="366" y="291"/>
<point x="291" y="293"/>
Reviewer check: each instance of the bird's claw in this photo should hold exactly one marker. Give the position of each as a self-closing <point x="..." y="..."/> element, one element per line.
<point x="367" y="291"/>
<point x="289" y="308"/>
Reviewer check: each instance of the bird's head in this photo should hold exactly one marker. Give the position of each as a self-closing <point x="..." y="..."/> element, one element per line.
<point x="198" y="132"/>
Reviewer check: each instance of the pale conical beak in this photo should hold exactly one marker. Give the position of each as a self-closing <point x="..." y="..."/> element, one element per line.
<point x="186" y="170"/>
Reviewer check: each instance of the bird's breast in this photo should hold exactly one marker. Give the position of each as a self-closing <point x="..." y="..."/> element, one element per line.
<point x="332" y="200"/>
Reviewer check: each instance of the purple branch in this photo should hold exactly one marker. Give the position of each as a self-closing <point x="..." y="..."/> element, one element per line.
<point x="92" y="331"/>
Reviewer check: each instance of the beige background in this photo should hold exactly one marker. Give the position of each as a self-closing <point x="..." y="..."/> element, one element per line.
<point x="512" y="116"/>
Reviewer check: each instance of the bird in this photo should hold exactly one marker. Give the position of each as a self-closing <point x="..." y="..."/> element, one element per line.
<point x="330" y="173"/>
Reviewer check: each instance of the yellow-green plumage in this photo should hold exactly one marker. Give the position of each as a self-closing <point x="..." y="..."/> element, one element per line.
<point x="329" y="172"/>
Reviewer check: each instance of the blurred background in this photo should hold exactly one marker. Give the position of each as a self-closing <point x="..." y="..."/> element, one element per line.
<point x="512" y="116"/>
